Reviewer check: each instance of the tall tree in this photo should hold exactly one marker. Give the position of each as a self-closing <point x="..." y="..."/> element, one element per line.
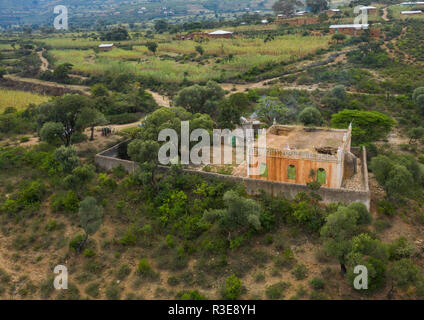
<point x="91" y="216"/>
<point x="64" y="111"/>
<point x="91" y="117"/>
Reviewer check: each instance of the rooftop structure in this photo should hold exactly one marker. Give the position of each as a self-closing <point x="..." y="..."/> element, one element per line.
<point x="219" y="32"/>
<point x="349" y="26"/>
<point x="411" y="12"/>
<point x="106" y="46"/>
<point x="297" y="154"/>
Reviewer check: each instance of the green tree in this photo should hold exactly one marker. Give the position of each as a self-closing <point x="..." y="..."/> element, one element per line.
<point x="317" y="6"/>
<point x="99" y="90"/>
<point x="61" y="73"/>
<point x="143" y="151"/>
<point x="339" y="37"/>
<point x="367" y="126"/>
<point x="310" y="116"/>
<point x="240" y="214"/>
<point x="90" y="215"/>
<point x="200" y="50"/>
<point x="202" y="99"/>
<point x="418" y="97"/>
<point x="51" y="132"/>
<point x="116" y="34"/>
<point x="65" y="111"/>
<point x="396" y="176"/>
<point x="286" y="7"/>
<point x="152" y="46"/>
<point x="403" y="273"/>
<point x="161" y="26"/>
<point x="337" y="231"/>
<point x="271" y="108"/>
<point x="415" y="134"/>
<point x="90" y="117"/>
<point x="67" y="157"/>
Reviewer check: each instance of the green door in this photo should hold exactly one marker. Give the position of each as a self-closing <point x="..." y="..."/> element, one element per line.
<point x="322" y="176"/>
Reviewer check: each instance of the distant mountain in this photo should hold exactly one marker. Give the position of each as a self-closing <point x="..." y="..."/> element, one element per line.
<point x="28" y="12"/>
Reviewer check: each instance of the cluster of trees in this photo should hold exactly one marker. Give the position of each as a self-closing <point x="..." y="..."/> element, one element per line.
<point x="370" y="54"/>
<point x="60" y="73"/>
<point x="399" y="175"/>
<point x="115" y="34"/>
<point x="346" y="237"/>
<point x="62" y="119"/>
<point x="288" y="7"/>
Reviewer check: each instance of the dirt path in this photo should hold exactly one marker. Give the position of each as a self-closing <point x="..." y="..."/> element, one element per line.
<point x="385" y="13"/>
<point x="161" y="100"/>
<point x="328" y="60"/>
<point x="81" y="89"/>
<point x="44" y="63"/>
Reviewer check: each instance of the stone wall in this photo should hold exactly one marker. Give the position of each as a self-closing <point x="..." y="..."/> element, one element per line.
<point x="108" y="160"/>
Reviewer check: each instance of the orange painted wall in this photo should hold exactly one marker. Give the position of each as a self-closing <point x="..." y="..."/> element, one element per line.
<point x="278" y="170"/>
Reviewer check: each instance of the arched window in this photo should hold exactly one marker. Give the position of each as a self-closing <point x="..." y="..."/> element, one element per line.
<point x="291" y="172"/>
<point x="321" y="176"/>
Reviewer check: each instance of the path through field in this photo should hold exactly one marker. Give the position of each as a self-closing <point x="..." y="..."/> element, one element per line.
<point x="44" y="63"/>
<point x="385" y="18"/>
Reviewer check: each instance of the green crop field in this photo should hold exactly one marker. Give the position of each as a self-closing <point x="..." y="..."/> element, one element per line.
<point x="174" y="59"/>
<point x="19" y="99"/>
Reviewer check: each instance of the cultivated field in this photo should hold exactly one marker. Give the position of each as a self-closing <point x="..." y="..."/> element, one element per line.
<point x="174" y="59"/>
<point x="19" y="99"/>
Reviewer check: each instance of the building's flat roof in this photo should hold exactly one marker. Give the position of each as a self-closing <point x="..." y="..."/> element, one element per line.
<point x="355" y="26"/>
<point x="411" y="12"/>
<point x="335" y="10"/>
<point x="106" y="45"/>
<point x="306" y="139"/>
<point x="368" y="8"/>
<point x="218" y="32"/>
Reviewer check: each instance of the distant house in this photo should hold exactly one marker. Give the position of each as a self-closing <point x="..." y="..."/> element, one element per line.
<point x="264" y="21"/>
<point x="411" y="12"/>
<point x="106" y="46"/>
<point x="300" y="13"/>
<point x="348" y="29"/>
<point x="220" y="34"/>
<point x="333" y="12"/>
<point x="412" y="3"/>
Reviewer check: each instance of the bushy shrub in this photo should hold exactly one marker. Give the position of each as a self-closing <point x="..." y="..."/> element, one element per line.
<point x="190" y="295"/>
<point x="232" y="288"/>
<point x="68" y="202"/>
<point x="75" y="243"/>
<point x="300" y="272"/>
<point x="317" y="283"/>
<point x="276" y="291"/>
